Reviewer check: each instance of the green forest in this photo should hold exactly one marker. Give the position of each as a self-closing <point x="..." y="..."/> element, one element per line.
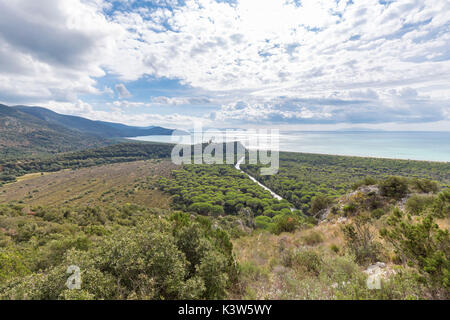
<point x="303" y="176"/>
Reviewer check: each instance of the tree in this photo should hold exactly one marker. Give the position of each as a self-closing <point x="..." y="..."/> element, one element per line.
<point x="201" y="207"/>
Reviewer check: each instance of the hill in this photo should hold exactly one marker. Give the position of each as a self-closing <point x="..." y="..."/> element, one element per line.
<point x="99" y="128"/>
<point x="31" y="131"/>
<point x="22" y="133"/>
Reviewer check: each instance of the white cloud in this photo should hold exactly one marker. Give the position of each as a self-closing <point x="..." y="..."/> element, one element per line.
<point x="323" y="60"/>
<point x="267" y="43"/>
<point x="77" y="108"/>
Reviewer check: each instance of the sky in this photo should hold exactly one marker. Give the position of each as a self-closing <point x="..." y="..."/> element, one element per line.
<point x="288" y="64"/>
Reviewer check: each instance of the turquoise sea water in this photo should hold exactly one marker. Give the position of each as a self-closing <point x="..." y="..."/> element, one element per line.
<point x="431" y="146"/>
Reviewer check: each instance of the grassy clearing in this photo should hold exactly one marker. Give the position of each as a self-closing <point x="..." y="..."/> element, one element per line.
<point x="130" y="182"/>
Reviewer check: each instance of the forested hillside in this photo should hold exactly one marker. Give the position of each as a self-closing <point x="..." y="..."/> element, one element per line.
<point x="34" y="131"/>
<point x="23" y="135"/>
<point x="98" y="128"/>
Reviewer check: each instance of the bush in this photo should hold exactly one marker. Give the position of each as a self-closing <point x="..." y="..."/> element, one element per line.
<point x="286" y="223"/>
<point x="313" y="238"/>
<point x="309" y="260"/>
<point x="424" y="185"/>
<point x="367" y="181"/>
<point x="378" y="213"/>
<point x="334" y="248"/>
<point x="416" y="204"/>
<point x="349" y="209"/>
<point x="394" y="187"/>
<point x="424" y="245"/>
<point x="263" y="222"/>
<point x="251" y="271"/>
<point x="441" y="205"/>
<point x="319" y="203"/>
<point x="360" y="241"/>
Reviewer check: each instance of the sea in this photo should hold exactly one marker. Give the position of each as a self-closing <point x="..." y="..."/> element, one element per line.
<point x="428" y="146"/>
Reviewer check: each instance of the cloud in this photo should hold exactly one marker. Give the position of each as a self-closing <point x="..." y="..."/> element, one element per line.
<point x="122" y="91"/>
<point x="321" y="61"/>
<point x="357" y="107"/>
<point x="52" y="50"/>
<point x="230" y="47"/>
<point x="174" y="101"/>
<point x="116" y="113"/>
<point x="78" y="108"/>
<point x="169" y="101"/>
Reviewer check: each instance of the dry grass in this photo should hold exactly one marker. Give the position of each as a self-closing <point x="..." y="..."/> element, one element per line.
<point x="116" y="183"/>
<point x="266" y="272"/>
<point x="444" y="224"/>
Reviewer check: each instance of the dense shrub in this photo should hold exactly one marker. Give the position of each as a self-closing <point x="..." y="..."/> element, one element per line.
<point x="418" y="203"/>
<point x="286" y="223"/>
<point x="319" y="203"/>
<point x="394" y="187"/>
<point x="313" y="238"/>
<point x="424" y="185"/>
<point x="174" y="257"/>
<point x="360" y="241"/>
<point x="11" y="265"/>
<point x="367" y="181"/>
<point x="377" y="213"/>
<point x="441" y="205"/>
<point x="310" y="260"/>
<point x="424" y="245"/>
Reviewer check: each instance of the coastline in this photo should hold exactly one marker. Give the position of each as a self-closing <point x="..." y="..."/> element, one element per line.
<point x="159" y="139"/>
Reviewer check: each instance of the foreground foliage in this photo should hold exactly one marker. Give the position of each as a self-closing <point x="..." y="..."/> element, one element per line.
<point x="424" y="245"/>
<point x="123" y="253"/>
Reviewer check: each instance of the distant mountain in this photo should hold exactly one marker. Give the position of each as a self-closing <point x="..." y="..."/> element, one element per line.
<point x="357" y="129"/>
<point x="99" y="128"/>
<point x="22" y="133"/>
<point x="33" y="130"/>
